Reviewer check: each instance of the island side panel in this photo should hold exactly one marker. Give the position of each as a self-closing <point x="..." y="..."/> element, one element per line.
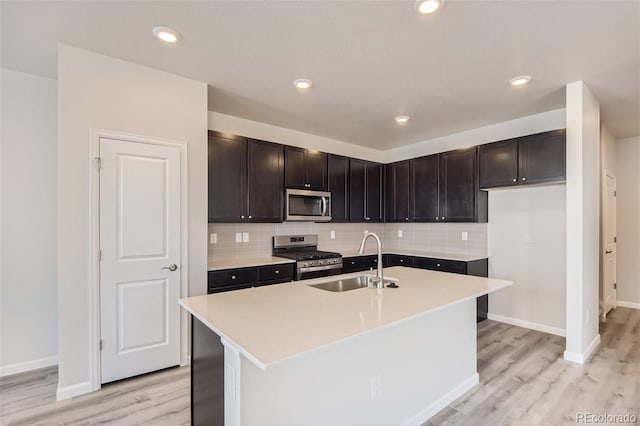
<point x="207" y="376"/>
<point x="420" y="364"/>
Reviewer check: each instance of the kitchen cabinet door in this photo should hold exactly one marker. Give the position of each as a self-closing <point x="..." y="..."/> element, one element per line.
<point x="357" y="190"/>
<point x="542" y="157"/>
<point x="424" y="187"/>
<point x="316" y="170"/>
<point x="305" y="169"/>
<point x="294" y="172"/>
<point x="459" y="190"/>
<point x="373" y="202"/>
<point x="264" y="181"/>
<point x="227" y="158"/>
<point x="498" y="164"/>
<point x="338" y="180"/>
<point x="398" y="192"/>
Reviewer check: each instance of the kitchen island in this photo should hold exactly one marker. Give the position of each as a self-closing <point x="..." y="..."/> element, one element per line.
<point x="295" y="354"/>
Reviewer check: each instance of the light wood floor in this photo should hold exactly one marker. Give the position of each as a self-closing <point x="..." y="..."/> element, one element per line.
<point x="523" y="381"/>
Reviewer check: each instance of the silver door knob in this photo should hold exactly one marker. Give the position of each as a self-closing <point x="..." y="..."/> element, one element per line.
<point x="171" y="267"/>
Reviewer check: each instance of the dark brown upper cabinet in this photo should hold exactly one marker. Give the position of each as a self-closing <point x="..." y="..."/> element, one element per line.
<point x="538" y="158"/>
<point x="365" y="191"/>
<point x="265" y="167"/>
<point x="444" y="188"/>
<point x="338" y="179"/>
<point x="397" y="192"/>
<point x="460" y="197"/>
<point x="424" y="189"/>
<point x="305" y="169"/>
<point x="245" y="179"/>
<point x="227" y="178"/>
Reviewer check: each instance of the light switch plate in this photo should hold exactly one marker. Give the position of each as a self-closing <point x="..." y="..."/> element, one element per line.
<point x="245" y="237"/>
<point x="238" y="237"/>
<point x="399" y="233"/>
<point x="213" y="238"/>
<point x="333" y="235"/>
<point x="465" y="235"/>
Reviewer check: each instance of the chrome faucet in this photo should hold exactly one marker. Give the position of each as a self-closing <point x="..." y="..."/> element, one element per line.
<point x="380" y="278"/>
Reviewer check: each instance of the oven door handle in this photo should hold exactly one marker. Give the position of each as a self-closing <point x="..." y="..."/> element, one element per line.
<point x="320" y="268"/>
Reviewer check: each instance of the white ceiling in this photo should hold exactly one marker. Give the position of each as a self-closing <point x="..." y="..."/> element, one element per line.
<point x="369" y="60"/>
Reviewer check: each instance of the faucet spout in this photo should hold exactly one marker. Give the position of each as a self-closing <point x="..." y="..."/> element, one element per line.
<point x="380" y="275"/>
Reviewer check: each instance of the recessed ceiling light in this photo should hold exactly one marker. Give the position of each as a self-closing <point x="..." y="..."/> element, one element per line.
<point x="302" y="83"/>
<point x="402" y="119"/>
<point x="425" y="7"/>
<point x="520" y="80"/>
<point x="166" y="34"/>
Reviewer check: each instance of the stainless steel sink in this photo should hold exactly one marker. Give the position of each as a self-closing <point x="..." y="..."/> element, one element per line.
<point x="347" y="284"/>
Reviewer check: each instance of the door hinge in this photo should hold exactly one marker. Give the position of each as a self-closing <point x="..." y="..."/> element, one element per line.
<point x="615" y="239"/>
<point x="615" y="286"/>
<point x="615" y="193"/>
<point x="99" y="255"/>
<point x="100" y="344"/>
<point x="98" y="163"/>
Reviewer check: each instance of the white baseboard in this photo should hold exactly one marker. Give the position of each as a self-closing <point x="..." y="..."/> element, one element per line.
<point x="581" y="358"/>
<point x="67" y="392"/>
<point x="446" y="399"/>
<point x="632" y="305"/>
<point x="528" y="324"/>
<point x="21" y="367"/>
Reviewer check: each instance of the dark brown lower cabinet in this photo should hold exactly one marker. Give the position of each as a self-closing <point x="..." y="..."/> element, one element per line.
<point x="207" y="376"/>
<point x="239" y="278"/>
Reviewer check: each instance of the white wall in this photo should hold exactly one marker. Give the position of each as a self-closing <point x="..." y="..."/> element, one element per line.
<point x="254" y="129"/>
<point x="527" y="228"/>
<point x="583" y="221"/>
<point x="628" y="221"/>
<point x="28" y="294"/>
<point x="100" y="92"/>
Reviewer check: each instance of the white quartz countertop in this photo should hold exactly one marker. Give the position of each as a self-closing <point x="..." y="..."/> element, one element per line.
<point x="419" y="253"/>
<point x="217" y="265"/>
<point x="274" y="323"/>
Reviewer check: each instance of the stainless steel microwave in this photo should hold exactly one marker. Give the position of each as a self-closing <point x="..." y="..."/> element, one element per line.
<point x="310" y="206"/>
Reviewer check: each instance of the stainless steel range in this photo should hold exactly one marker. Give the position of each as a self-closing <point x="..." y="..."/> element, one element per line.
<point x="310" y="262"/>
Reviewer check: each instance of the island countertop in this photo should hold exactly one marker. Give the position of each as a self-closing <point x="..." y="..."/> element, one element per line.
<point x="271" y="324"/>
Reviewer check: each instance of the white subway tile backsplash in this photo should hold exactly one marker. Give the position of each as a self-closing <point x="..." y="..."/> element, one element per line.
<point x="435" y="237"/>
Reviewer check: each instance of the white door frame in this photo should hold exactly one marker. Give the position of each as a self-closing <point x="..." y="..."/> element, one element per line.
<point x="94" y="242"/>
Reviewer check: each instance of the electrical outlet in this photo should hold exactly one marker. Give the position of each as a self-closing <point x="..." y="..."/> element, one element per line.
<point x="376" y="387"/>
<point x="213" y="238"/>
<point x="399" y="233"/>
<point x="528" y="238"/>
<point x="245" y="237"/>
<point x="465" y="236"/>
<point x="333" y="235"/>
<point x="238" y="237"/>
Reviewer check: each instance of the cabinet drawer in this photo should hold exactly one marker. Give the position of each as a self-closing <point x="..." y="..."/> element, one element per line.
<point x="228" y="288"/>
<point x="232" y="277"/>
<point x="398" y="260"/>
<point x="454" y="266"/>
<point x="352" y="264"/>
<point x="276" y="272"/>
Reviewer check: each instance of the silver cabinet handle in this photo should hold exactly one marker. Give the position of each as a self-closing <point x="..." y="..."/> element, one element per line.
<point x="401" y="260"/>
<point x="242" y="217"/>
<point x="406" y="218"/>
<point x="277" y="272"/>
<point x="524" y="179"/>
<point x="171" y="267"/>
<point x="233" y="277"/>
<point x="437" y="218"/>
<point x="515" y="180"/>
<point x="443" y="217"/>
<point x="438" y="265"/>
<point x="249" y="216"/>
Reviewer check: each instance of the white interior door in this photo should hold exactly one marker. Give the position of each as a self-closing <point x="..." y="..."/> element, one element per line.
<point x="139" y="243"/>
<point x="609" y="243"/>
